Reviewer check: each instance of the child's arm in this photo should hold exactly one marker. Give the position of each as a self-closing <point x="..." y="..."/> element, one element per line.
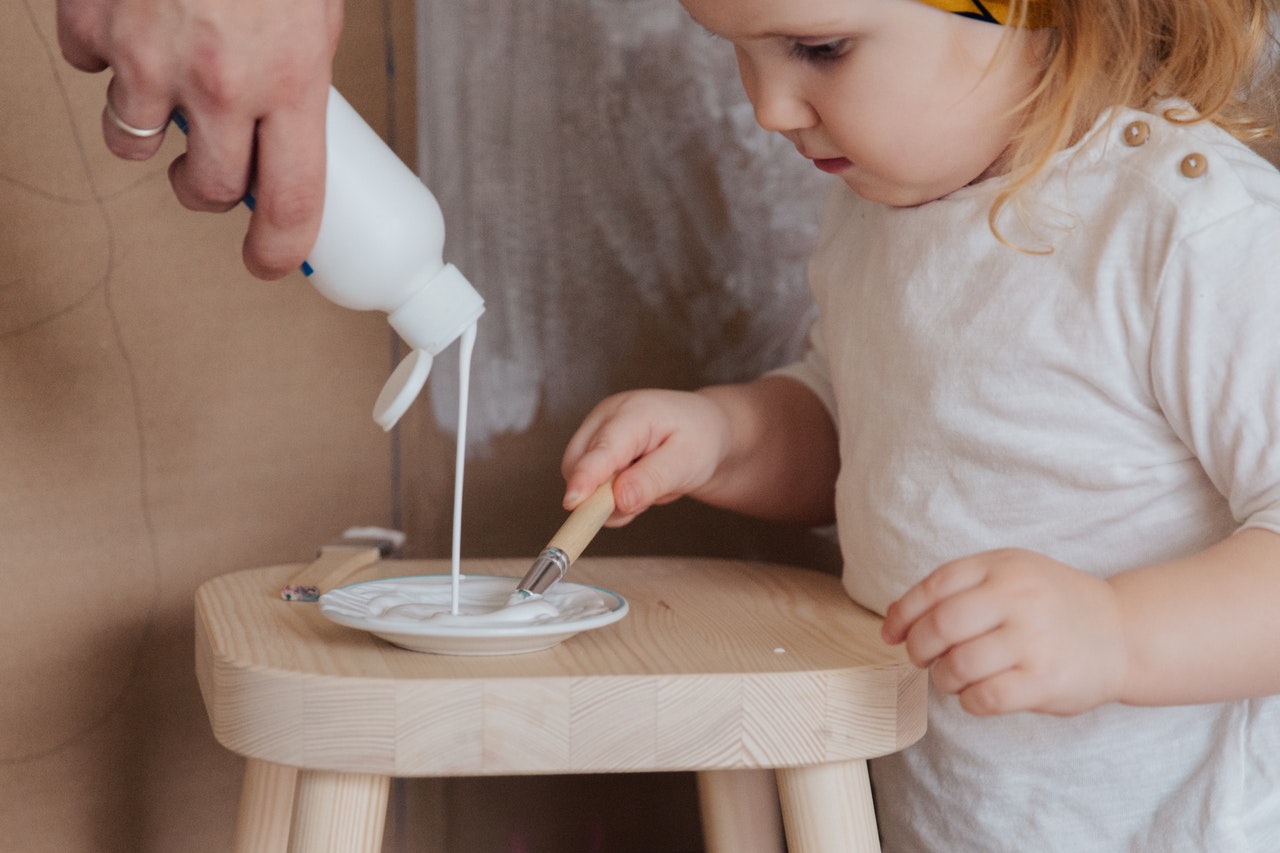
<point x="1205" y="628"/>
<point x="765" y="448"/>
<point x="1017" y="631"/>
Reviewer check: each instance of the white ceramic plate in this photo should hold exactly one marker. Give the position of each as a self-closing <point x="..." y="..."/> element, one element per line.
<point x="397" y="610"/>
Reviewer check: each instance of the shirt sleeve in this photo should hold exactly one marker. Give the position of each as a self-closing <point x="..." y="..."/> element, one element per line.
<point x="812" y="371"/>
<point x="1215" y="356"/>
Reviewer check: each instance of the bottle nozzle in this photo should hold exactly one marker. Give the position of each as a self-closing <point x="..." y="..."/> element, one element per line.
<point x="434" y="317"/>
<point x="439" y="312"/>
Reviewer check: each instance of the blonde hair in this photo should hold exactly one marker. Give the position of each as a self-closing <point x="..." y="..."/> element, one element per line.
<point x="1132" y="53"/>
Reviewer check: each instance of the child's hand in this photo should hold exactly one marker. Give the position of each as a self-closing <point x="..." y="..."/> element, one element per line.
<point x="666" y="444"/>
<point x="1013" y="630"/>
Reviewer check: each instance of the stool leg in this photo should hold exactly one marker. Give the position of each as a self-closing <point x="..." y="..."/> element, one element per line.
<point x="828" y="807"/>
<point x="266" y="808"/>
<point x="339" y="812"/>
<point x="740" y="811"/>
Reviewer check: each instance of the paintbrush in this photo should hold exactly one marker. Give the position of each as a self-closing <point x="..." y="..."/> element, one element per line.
<point x="339" y="560"/>
<point x="564" y="548"/>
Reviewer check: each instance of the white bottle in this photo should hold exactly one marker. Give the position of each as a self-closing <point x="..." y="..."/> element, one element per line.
<point x="381" y="246"/>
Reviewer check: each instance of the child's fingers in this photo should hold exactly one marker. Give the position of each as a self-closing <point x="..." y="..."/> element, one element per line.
<point x="598" y="449"/>
<point x="654" y="441"/>
<point x="945" y="581"/>
<point x="1005" y="693"/>
<point x="636" y="487"/>
<point x="583" y="437"/>
<point x="645" y="475"/>
<point x="620" y="427"/>
<point x="586" y="474"/>
<point x="657" y="477"/>
<point x="955" y="620"/>
<point x="977" y="660"/>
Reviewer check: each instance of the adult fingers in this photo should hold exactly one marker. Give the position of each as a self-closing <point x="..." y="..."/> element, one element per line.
<point x="134" y="118"/>
<point x="78" y="26"/>
<point x="288" y="184"/>
<point x="213" y="175"/>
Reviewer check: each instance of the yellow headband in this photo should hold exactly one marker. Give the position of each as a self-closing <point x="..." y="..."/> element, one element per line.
<point x="997" y="11"/>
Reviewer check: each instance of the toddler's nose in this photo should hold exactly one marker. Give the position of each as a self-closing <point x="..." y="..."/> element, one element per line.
<point x="778" y="101"/>
<point x="781" y="111"/>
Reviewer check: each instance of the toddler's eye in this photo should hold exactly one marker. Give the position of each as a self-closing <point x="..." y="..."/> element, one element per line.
<point x="819" y="52"/>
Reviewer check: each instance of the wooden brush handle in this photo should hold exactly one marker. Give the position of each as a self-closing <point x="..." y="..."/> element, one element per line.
<point x="584" y="522"/>
<point x="339" y="561"/>
<point x="330" y="570"/>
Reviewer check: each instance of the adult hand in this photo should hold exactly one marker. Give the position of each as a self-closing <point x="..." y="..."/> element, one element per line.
<point x="1013" y="630"/>
<point x="252" y="79"/>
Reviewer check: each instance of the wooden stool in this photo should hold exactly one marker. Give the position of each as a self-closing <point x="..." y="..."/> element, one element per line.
<point x="722" y="667"/>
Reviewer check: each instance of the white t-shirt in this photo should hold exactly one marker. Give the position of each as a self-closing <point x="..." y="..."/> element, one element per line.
<point x="1111" y="404"/>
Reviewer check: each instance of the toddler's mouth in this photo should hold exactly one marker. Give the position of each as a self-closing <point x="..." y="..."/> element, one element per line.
<point x="832" y="165"/>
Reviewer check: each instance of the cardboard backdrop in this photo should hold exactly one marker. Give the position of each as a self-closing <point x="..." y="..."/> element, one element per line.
<point x="165" y="418"/>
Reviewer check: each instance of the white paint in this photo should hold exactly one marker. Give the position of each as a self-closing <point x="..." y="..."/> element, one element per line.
<point x="466" y="347"/>
<point x="413" y="612"/>
<point x="482" y="602"/>
<point x="532" y="609"/>
<point x="475" y="615"/>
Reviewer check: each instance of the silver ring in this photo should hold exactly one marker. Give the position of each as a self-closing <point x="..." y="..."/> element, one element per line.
<point x="136" y="132"/>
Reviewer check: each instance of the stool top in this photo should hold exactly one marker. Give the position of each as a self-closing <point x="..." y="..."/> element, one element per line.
<point x="718" y="664"/>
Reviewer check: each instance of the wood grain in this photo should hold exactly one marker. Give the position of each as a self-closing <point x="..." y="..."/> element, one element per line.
<point x="829" y="807"/>
<point x="266" y="808"/>
<point x="740" y="811"/>
<point x="339" y="813"/>
<point x="720" y="664"/>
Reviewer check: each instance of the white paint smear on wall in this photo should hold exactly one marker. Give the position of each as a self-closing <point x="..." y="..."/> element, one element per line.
<point x="606" y="188"/>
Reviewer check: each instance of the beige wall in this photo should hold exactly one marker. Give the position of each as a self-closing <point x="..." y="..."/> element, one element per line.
<point x="165" y="418"/>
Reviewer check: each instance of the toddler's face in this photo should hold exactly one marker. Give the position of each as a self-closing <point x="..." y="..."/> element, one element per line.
<point x="905" y="102"/>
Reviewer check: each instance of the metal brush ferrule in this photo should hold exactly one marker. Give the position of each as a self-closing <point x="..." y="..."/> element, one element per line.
<point x="550" y="567"/>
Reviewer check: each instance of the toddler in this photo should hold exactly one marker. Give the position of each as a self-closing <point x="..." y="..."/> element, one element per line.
<point x="1041" y="401"/>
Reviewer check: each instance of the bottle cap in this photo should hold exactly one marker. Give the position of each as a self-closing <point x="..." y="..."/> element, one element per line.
<point x="438" y="312"/>
<point x="402" y="388"/>
<point x="434" y="317"/>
